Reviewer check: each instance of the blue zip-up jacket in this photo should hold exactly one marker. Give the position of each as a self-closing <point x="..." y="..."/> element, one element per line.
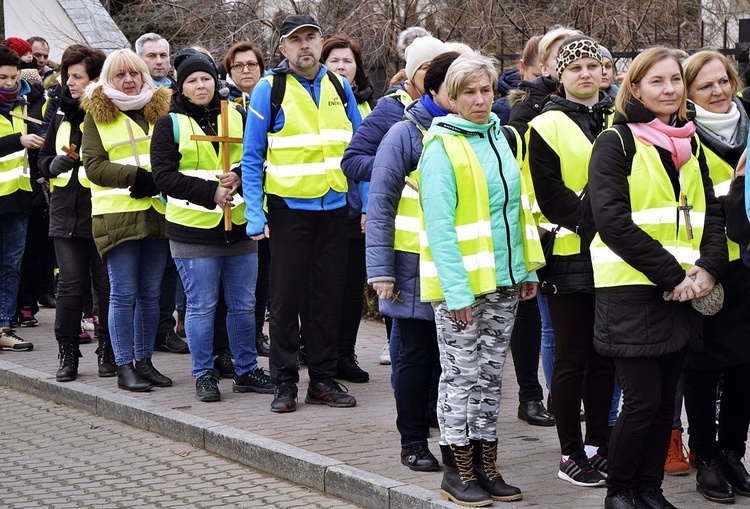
<point x="360" y="154"/>
<point x="256" y="144"/>
<point x="438" y="196"/>
<point x="397" y="156"/>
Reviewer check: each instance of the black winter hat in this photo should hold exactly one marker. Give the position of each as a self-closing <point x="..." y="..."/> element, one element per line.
<point x="188" y="61"/>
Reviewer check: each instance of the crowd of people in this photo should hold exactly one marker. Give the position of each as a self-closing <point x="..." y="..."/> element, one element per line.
<point x="548" y="212"/>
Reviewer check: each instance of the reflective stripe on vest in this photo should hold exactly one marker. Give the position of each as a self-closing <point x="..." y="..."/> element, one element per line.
<point x="655" y="211"/>
<point x="12" y="175"/>
<point x="62" y="139"/>
<point x="473" y="226"/>
<point x="199" y="159"/>
<point x="721" y="175"/>
<point x="304" y="157"/>
<point x="407" y="222"/>
<point x="573" y="149"/>
<point x="110" y="200"/>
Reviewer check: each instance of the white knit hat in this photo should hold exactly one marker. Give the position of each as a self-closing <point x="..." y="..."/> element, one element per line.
<point x="421" y="51"/>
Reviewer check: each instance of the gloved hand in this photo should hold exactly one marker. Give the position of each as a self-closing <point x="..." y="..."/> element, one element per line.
<point x="144" y="185"/>
<point x="60" y="164"/>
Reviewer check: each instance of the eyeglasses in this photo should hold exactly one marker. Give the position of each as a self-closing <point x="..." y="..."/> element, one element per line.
<point x="239" y="66"/>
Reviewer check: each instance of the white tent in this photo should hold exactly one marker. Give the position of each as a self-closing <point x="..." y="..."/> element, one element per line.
<point x="62" y="23"/>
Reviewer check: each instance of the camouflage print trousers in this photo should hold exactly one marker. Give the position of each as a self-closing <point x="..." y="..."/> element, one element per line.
<point x="472" y="361"/>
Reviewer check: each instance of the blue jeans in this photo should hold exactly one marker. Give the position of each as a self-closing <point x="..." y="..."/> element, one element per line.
<point x="200" y="279"/>
<point x="12" y="243"/>
<point x="548" y="339"/>
<point x="135" y="270"/>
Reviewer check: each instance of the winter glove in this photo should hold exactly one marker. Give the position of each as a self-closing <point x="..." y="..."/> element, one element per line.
<point x="60" y="164"/>
<point x="144" y="185"/>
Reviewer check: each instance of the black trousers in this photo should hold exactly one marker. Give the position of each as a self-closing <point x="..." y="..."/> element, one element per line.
<point x="306" y="246"/>
<point x="640" y="438"/>
<point x="167" y="297"/>
<point x="525" y="345"/>
<point x="734" y="415"/>
<point x="80" y="266"/>
<point x="262" y="286"/>
<point x="38" y="262"/>
<point x="351" y="307"/>
<point x="416" y="363"/>
<point x="580" y="373"/>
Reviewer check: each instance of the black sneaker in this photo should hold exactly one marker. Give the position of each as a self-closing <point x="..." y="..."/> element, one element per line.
<point x="599" y="462"/>
<point x="256" y="380"/>
<point x="261" y="345"/>
<point x="579" y="471"/>
<point x="419" y="458"/>
<point x="284" y="398"/>
<point x="328" y="392"/>
<point x="349" y="370"/>
<point x="170" y="342"/>
<point x="26" y="317"/>
<point x="207" y="388"/>
<point x="224" y="364"/>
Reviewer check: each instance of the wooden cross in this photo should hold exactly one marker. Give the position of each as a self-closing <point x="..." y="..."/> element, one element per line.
<point x="71" y="151"/>
<point x="224" y="140"/>
<point x="132" y="141"/>
<point x="26" y="118"/>
<point x="685" y="208"/>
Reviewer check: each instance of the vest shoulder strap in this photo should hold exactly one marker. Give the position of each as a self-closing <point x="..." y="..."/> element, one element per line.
<point x="628" y="145"/>
<point x="278" y="89"/>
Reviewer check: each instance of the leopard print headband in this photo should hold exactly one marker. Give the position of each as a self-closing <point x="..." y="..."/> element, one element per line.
<point x="576" y="50"/>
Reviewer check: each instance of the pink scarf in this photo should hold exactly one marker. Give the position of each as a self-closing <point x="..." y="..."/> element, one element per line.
<point x="674" y="139"/>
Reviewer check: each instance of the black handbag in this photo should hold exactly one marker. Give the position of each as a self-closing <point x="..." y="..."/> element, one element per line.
<point x="547" y="239"/>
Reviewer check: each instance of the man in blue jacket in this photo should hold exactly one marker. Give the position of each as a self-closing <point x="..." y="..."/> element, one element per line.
<point x="301" y="140"/>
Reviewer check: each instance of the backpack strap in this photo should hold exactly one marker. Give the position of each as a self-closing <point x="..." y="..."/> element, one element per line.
<point x="278" y="89"/>
<point x="515" y="141"/>
<point x="175" y="127"/>
<point x="628" y="145"/>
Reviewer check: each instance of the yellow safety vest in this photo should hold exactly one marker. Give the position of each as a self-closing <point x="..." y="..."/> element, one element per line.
<point x="573" y="149"/>
<point x="721" y="175"/>
<point x="199" y="159"/>
<point x="473" y="226"/>
<point x="62" y="139"/>
<point x="304" y="157"/>
<point x="111" y="200"/>
<point x="364" y="109"/>
<point x="655" y="211"/>
<point x="14" y="167"/>
<point x="401" y="96"/>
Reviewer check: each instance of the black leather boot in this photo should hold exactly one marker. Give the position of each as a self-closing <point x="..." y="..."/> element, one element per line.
<point x="68" y="355"/>
<point x="105" y="358"/>
<point x="130" y="380"/>
<point x="488" y="476"/>
<point x="653" y="498"/>
<point x="737" y="475"/>
<point x="459" y="481"/>
<point x="623" y="500"/>
<point x="148" y="372"/>
<point x="711" y="480"/>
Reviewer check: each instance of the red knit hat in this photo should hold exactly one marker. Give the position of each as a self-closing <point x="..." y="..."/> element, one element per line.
<point x="20" y="46"/>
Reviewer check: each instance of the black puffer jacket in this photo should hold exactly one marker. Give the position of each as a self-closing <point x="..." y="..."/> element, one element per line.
<point x="165" y="162"/>
<point x="70" y="206"/>
<point x="560" y="204"/>
<point x="527" y="100"/>
<point x="636" y="321"/>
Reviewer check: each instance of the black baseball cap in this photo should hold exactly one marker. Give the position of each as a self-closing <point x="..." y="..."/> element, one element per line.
<point x="296" y="21"/>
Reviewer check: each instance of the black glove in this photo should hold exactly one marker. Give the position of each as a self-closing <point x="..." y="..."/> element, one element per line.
<point x="60" y="164"/>
<point x="144" y="185"/>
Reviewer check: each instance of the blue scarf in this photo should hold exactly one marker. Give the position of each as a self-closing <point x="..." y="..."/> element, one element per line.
<point x="431" y="107"/>
<point x="9" y="96"/>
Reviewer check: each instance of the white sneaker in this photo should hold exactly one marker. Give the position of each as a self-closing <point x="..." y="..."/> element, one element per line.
<point x="385" y="355"/>
<point x="87" y="324"/>
<point x="9" y="341"/>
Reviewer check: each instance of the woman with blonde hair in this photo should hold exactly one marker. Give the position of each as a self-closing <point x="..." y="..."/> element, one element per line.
<point x="127" y="215"/>
<point x="474" y="270"/>
<point x="722" y="126"/>
<point x="660" y="244"/>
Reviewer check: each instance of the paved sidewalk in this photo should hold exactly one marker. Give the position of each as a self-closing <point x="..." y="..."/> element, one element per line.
<point x="352" y="452"/>
<point x="56" y="456"/>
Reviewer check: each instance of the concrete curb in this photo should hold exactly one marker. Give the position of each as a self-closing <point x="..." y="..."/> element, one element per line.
<point x="276" y="458"/>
